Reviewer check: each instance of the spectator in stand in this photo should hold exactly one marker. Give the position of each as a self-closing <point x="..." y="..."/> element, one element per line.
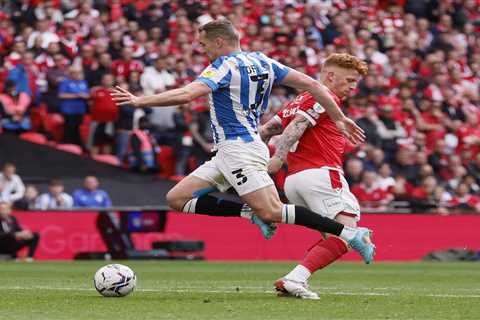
<point x="95" y="74"/>
<point x="474" y="168"/>
<point x="422" y="198"/>
<point x="438" y="159"/>
<point x="389" y="131"/>
<point x="13" y="109"/>
<point x="459" y="173"/>
<point x="369" y="194"/>
<point x="86" y="61"/>
<point x="103" y="113"/>
<point x="142" y="148"/>
<point x="12" y="236"/>
<point x="73" y="93"/>
<point x="463" y="201"/>
<point x="55" y="198"/>
<point x="69" y="39"/>
<point x="157" y="78"/>
<point x="29" y="199"/>
<point x="154" y="80"/>
<point x="374" y="158"/>
<point x="125" y="65"/>
<point x="469" y="135"/>
<point x="48" y="11"/>
<point x="402" y="188"/>
<point x="24" y="74"/>
<point x="124" y="125"/>
<point x="472" y="184"/>
<point x="385" y="181"/>
<point x="11" y="186"/>
<point x="404" y="163"/>
<point x="353" y="171"/>
<point x="183" y="139"/>
<point x="55" y="75"/>
<point x="369" y="124"/>
<point x="202" y="134"/>
<point x="90" y="196"/>
<point x="42" y="32"/>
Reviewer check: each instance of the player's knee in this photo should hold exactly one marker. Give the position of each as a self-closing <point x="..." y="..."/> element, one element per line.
<point x="270" y="213"/>
<point x="175" y="200"/>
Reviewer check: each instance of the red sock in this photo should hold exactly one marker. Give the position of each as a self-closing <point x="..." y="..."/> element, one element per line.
<point x="324" y="253"/>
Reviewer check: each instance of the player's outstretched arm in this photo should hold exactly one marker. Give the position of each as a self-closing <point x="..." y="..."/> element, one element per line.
<point x="348" y="127"/>
<point x="272" y="128"/>
<point x="172" y="97"/>
<point x="292" y="133"/>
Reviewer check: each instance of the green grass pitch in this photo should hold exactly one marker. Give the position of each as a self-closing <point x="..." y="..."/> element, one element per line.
<point x="214" y="290"/>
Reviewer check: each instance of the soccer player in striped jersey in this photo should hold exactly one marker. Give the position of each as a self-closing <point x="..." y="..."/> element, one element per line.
<point x="314" y="149"/>
<point x="238" y="84"/>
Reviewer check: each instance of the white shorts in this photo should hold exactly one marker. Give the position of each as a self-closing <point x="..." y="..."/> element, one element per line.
<point x="238" y="164"/>
<point x="324" y="191"/>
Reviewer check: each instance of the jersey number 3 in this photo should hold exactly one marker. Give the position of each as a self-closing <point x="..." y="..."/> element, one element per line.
<point x="241" y="178"/>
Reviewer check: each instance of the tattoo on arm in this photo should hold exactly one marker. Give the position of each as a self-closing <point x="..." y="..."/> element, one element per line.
<point x="291" y="134"/>
<point x="270" y="129"/>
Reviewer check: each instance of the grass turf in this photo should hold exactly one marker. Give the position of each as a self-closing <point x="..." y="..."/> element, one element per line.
<point x="207" y="290"/>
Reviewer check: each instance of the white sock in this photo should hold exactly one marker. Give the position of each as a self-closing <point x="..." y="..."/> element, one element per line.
<point x="288" y="214"/>
<point x="189" y="206"/>
<point x="299" y="274"/>
<point x="246" y="212"/>
<point x="348" y="233"/>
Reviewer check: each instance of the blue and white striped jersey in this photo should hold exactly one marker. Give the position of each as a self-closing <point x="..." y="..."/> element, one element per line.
<point x="241" y="84"/>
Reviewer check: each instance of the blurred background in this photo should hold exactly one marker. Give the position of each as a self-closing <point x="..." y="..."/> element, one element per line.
<point x="66" y="148"/>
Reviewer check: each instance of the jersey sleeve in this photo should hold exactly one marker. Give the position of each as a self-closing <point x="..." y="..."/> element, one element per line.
<point x="216" y="75"/>
<point x="311" y="109"/>
<point x="286" y="114"/>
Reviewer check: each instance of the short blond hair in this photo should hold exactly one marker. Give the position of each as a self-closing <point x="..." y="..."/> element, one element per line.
<point x="222" y="28"/>
<point x="347" y="61"/>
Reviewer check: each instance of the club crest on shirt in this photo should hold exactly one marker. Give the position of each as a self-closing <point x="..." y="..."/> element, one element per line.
<point x="208" y="74"/>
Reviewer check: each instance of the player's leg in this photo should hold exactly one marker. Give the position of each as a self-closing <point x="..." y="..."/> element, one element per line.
<point x="192" y="195"/>
<point x="267" y="205"/>
<point x="32" y="245"/>
<point x="325" y="192"/>
<point x="322" y="253"/>
<point x="295" y="283"/>
<point x="244" y="166"/>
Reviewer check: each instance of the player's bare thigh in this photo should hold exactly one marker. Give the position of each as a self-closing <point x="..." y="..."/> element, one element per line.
<point x="183" y="191"/>
<point x="266" y="203"/>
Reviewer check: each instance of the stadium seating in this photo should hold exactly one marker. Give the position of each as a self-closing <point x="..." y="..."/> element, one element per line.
<point x="107" y="158"/>
<point x="34" y="137"/>
<point x="72" y="148"/>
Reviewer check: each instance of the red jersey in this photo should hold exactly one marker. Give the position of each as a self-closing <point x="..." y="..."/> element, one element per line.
<point x="103" y="108"/>
<point x="123" y="68"/>
<point x="322" y="145"/>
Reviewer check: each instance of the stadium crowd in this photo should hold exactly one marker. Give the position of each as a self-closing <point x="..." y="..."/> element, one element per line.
<point x="15" y="193"/>
<point x="419" y="104"/>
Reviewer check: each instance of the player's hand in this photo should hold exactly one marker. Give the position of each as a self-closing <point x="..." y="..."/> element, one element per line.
<point x="124" y="97"/>
<point x="274" y="165"/>
<point x="351" y="130"/>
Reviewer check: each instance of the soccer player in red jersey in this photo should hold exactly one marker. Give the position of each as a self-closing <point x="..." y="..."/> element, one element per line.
<point x="314" y="147"/>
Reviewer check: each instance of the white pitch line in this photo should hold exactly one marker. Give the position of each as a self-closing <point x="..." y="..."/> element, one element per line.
<point x="259" y="290"/>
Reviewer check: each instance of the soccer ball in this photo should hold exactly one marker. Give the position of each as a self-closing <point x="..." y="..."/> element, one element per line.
<point x="115" y="280"/>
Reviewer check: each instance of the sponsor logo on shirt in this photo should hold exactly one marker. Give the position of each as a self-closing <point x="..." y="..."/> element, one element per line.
<point x="208" y="74"/>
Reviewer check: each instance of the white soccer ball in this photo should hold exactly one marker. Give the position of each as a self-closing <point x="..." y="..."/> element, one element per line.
<point x="115" y="280"/>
